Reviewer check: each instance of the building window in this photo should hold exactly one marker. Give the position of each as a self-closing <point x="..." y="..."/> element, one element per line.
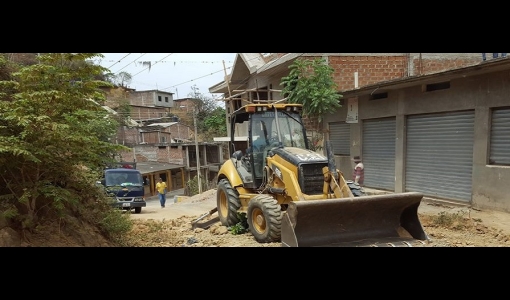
<point x="159" y="98"/>
<point x="378" y="96"/>
<point x="500" y="135"/>
<point x="166" y="99"/>
<point x="437" y="86"/>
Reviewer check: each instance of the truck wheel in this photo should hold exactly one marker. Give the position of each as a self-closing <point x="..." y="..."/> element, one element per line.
<point x="265" y="219"/>
<point x="138" y="210"/>
<point x="227" y="202"/>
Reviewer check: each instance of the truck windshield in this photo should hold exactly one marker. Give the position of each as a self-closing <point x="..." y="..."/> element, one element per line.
<point x="121" y="178"/>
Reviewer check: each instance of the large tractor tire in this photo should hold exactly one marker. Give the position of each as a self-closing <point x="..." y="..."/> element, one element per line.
<point x="227" y="202"/>
<point x="264" y="219"/>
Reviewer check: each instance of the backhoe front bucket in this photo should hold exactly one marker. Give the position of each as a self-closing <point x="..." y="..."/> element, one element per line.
<point x="378" y="221"/>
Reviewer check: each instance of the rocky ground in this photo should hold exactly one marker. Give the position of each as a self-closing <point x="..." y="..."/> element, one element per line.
<point x="446" y="225"/>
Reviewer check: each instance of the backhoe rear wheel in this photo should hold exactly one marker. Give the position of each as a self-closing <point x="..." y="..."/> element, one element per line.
<point x="227" y="202"/>
<point x="265" y="219"/>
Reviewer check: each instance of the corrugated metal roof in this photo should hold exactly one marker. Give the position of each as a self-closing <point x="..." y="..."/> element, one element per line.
<point x="163" y="124"/>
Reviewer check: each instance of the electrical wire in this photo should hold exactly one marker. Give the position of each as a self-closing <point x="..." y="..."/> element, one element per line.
<point x="119" y="60"/>
<point x="243" y="81"/>
<point x="173" y="86"/>
<point x="151" y="65"/>
<point x="129" y="64"/>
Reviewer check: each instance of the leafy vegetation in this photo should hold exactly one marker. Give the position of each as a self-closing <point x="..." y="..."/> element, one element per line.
<point x="192" y="186"/>
<point x="210" y="116"/>
<point x="54" y="141"/>
<point x="241" y="227"/>
<point x="310" y="83"/>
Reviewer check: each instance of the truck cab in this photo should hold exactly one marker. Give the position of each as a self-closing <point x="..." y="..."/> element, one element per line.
<point x="125" y="187"/>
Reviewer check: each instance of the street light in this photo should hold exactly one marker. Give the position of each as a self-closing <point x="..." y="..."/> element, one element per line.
<point x="196" y="151"/>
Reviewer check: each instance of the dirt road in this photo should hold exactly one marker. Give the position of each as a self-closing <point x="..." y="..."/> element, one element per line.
<point x="447" y="225"/>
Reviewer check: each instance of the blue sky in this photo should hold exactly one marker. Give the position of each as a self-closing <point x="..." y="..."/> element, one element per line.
<point x="171" y="72"/>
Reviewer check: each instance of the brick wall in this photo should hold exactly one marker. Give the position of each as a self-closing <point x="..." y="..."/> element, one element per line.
<point x="427" y="66"/>
<point x="372" y="68"/>
<point x="180" y="131"/>
<point x="127" y="136"/>
<point x="144" y="113"/>
<point x="165" y="154"/>
<point x="212" y="154"/>
<point x="156" y="137"/>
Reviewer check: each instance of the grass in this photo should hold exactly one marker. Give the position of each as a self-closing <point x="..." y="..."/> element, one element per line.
<point x="456" y="220"/>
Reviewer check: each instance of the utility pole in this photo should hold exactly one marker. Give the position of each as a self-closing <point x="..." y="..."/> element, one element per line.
<point x="196" y="150"/>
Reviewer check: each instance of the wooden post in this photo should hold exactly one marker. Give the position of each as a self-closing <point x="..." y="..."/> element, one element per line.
<point x="170" y="184"/>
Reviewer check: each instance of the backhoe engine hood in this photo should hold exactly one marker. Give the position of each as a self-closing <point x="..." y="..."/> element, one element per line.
<point x="297" y="156"/>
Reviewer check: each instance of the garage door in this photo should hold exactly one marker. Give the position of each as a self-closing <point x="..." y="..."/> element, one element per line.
<point x="439" y="159"/>
<point x="378" y="153"/>
<point x="340" y="138"/>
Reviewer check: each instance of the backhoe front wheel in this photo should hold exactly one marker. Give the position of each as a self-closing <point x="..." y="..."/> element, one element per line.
<point x="227" y="202"/>
<point x="264" y="219"/>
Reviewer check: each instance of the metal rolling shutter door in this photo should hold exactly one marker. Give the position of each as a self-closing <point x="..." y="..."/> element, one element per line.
<point x="439" y="158"/>
<point x="340" y="138"/>
<point x="500" y="137"/>
<point x="378" y="153"/>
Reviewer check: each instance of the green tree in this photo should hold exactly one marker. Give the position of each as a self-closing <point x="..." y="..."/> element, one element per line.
<point x="310" y="83"/>
<point x="215" y="124"/>
<point x="123" y="79"/>
<point x="54" y="137"/>
<point x="210" y="116"/>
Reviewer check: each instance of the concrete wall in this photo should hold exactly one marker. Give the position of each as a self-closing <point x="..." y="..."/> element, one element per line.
<point x="481" y="93"/>
<point x="151" y="98"/>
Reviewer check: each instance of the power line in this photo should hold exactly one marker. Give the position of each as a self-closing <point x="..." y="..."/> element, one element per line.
<point x="173" y="86"/>
<point x="119" y="60"/>
<point x="243" y="81"/>
<point x="195" y="79"/>
<point x="130" y="63"/>
<point x="151" y="65"/>
<point x="182" y="61"/>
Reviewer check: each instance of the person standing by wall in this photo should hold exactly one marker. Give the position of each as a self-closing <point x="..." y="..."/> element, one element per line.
<point x="358" y="175"/>
<point x="161" y="188"/>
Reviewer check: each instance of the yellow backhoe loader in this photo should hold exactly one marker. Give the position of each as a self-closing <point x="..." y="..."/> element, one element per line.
<point x="295" y="196"/>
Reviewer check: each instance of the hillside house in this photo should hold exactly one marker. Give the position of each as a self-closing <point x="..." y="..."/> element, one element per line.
<point x="158" y="139"/>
